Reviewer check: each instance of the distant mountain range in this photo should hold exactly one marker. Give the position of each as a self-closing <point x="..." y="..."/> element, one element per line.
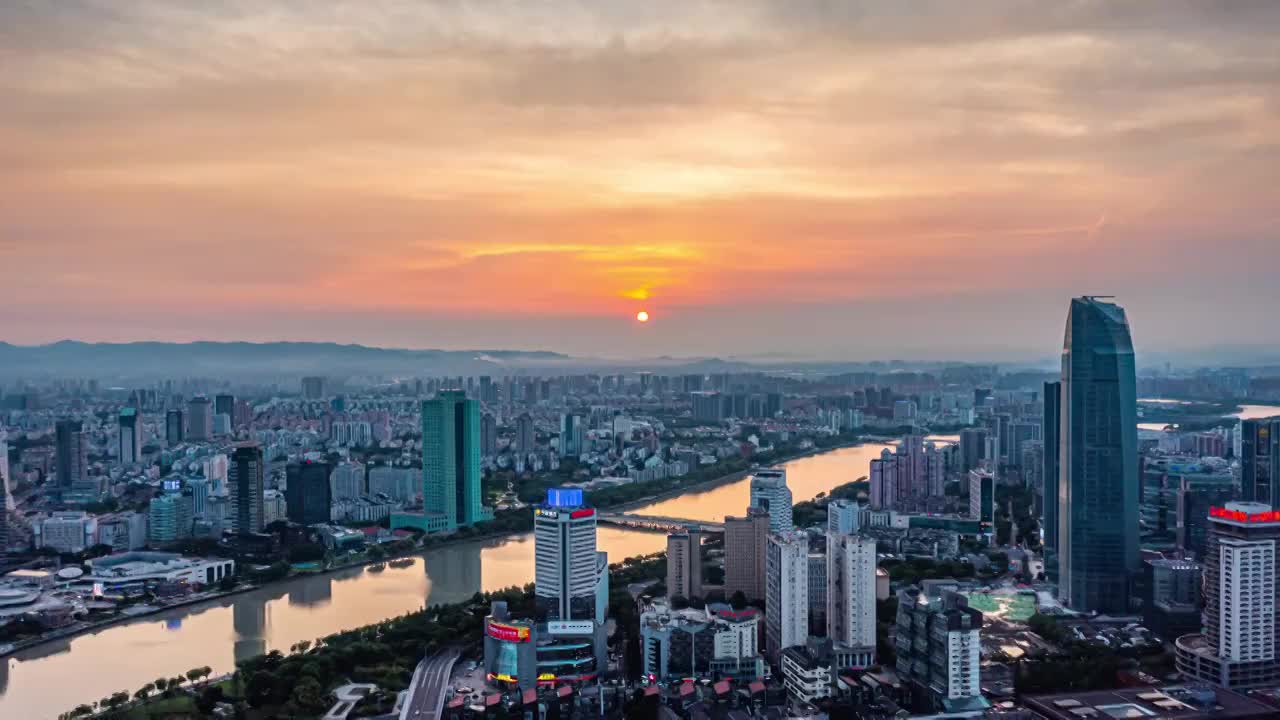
<point x="260" y="360"/>
<point x="287" y="361"/>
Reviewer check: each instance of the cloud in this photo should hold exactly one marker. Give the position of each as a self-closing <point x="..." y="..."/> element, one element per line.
<point x="574" y="157"/>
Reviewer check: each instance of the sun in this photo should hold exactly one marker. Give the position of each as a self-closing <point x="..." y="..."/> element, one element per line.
<point x="643" y="316"/>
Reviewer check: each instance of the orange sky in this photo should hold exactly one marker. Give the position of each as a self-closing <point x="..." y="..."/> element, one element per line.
<point x="511" y="174"/>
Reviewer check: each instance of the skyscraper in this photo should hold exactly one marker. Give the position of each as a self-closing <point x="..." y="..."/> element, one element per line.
<point x="525" y="437"/>
<point x="786" y="609"/>
<point x="571" y="435"/>
<point x="844" y="516"/>
<point x="451" y="459"/>
<point x="883" y="476"/>
<point x="488" y="434"/>
<point x="770" y="493"/>
<point x="1098" y="486"/>
<point x="175" y="430"/>
<point x="199" y="419"/>
<point x="745" y="539"/>
<point x="684" y="564"/>
<point x="224" y="404"/>
<point x="245" y="488"/>
<point x="71" y="451"/>
<point x="1052" y="473"/>
<point x="851" y="596"/>
<point x="307" y="493"/>
<point x="973" y="444"/>
<point x="1238" y="648"/>
<point x="566" y="567"/>
<point x="1260" y="460"/>
<point x="130" y="440"/>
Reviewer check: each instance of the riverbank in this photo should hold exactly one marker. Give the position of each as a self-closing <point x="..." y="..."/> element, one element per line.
<point x="218" y="597"/>
<point x="730" y="478"/>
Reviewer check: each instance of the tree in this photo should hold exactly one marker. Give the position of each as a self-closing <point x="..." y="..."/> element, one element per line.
<point x="739" y="600"/>
<point x="160" y="684"/>
<point x="194" y="674"/>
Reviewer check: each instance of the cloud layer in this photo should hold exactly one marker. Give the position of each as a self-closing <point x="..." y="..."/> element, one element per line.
<point x="527" y="174"/>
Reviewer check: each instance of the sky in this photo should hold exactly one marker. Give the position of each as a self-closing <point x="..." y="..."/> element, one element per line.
<point x="836" y="179"/>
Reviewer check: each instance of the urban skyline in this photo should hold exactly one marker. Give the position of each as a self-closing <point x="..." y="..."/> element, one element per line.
<point x="616" y="360"/>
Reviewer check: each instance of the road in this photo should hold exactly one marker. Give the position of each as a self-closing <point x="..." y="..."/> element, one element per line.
<point x="430" y="680"/>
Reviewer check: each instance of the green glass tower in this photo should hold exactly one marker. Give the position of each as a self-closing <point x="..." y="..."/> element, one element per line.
<point x="1097" y="540"/>
<point x="451" y="459"/>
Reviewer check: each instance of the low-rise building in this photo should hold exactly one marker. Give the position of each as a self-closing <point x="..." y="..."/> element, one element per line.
<point x="806" y="676"/>
<point x="715" y="642"/>
<point x="155" y="567"/>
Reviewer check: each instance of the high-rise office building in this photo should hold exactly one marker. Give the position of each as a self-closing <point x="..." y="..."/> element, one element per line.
<point x="525" y="440"/>
<point x="566" y="562"/>
<point x="488" y="434"/>
<point x="307" y="494"/>
<point x="851" y="596"/>
<point x="175" y="429"/>
<point x="770" y="493"/>
<point x="245" y="487"/>
<point x="786" y="609"/>
<point x="1260" y="460"/>
<point x="844" y="516"/>
<point x="745" y="539"/>
<point x="451" y="459"/>
<point x="982" y="495"/>
<point x="571" y="435"/>
<point x="170" y="517"/>
<point x="684" y="564"/>
<point x="1242" y="635"/>
<point x="129" y="436"/>
<point x="1052" y="473"/>
<point x="199" y="419"/>
<point x="1098" y="490"/>
<point x="71" y="454"/>
<point x="224" y="404"/>
<point x="973" y="445"/>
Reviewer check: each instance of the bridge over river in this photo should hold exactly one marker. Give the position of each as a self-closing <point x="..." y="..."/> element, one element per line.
<point x="657" y="522"/>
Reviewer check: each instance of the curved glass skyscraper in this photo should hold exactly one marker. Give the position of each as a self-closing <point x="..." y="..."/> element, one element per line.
<point x="1098" y="486"/>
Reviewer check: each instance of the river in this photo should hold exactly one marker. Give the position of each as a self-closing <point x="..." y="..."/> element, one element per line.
<point x="1246" y="412"/>
<point x="50" y="679"/>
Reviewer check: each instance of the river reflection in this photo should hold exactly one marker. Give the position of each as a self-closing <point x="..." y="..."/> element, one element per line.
<point x="53" y="678"/>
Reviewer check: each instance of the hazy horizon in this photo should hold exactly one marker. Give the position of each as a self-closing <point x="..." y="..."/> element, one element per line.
<point x="820" y="179"/>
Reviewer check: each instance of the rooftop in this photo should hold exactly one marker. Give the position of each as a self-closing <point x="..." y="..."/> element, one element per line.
<point x="1174" y="702"/>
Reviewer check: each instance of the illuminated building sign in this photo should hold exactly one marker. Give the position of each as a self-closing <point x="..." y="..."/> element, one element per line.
<point x="508" y="633"/>
<point x="546" y="676"/>
<point x="581" y="514"/>
<point x="172" y="485"/>
<point x="570" y="627"/>
<point x="564" y="497"/>
<point x="546" y="513"/>
<point x="1269" y="516"/>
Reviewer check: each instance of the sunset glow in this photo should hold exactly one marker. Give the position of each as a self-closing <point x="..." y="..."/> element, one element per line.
<point x="423" y="175"/>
